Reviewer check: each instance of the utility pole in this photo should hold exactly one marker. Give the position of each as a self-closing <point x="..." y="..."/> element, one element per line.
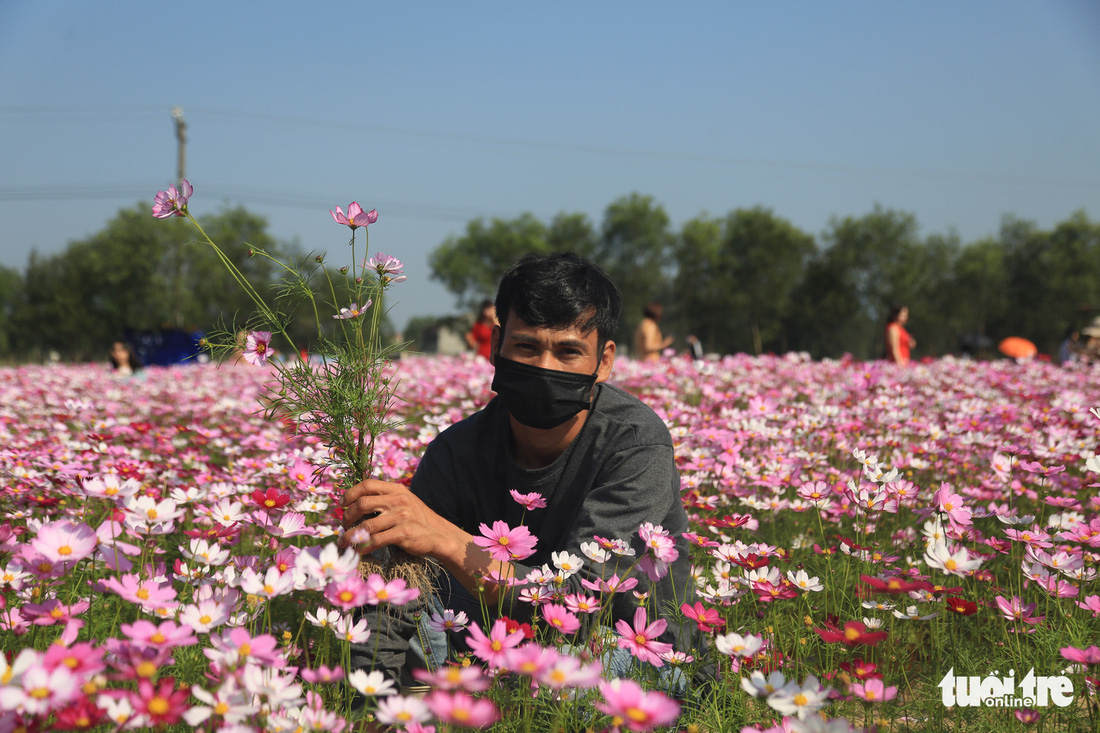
<point x="181" y="137"/>
<point x="181" y="165"/>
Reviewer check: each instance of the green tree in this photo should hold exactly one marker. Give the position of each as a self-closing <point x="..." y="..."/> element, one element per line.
<point x="11" y="291"/>
<point x="139" y="273"/>
<point x="1053" y="278"/>
<point x="471" y="266"/>
<point x="635" y="249"/>
<point x="736" y="277"/>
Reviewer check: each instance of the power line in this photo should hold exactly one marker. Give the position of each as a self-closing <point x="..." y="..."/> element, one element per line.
<point x="80" y="114"/>
<point x="282" y="199"/>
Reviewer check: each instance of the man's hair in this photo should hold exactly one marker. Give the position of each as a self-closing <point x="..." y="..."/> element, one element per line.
<point x="558" y="291"/>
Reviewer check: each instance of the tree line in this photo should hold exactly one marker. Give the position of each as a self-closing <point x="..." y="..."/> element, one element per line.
<point x="749" y="281"/>
<point x="752" y="282"/>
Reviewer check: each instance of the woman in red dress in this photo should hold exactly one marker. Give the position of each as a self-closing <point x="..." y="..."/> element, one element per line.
<point x="479" y="337"/>
<point x="898" y="340"/>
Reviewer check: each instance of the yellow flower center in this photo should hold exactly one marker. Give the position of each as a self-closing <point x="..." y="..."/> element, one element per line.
<point x="64" y="550"/>
<point x="205" y="619"/>
<point x="145" y="669"/>
<point x="158" y="706"/>
<point x="143" y="593"/>
<point x="40" y="693"/>
<point x="800" y="699"/>
<point x="851" y="634"/>
<point x="636" y="714"/>
<point x="157" y="638"/>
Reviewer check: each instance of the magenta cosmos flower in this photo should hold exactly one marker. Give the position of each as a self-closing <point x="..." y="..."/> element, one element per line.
<point x="1088" y="656"/>
<point x="172" y="202"/>
<point x="638" y="709"/>
<point x="257" y="347"/>
<point x="493" y="649"/>
<point x="505" y="544"/>
<point x="641" y="639"/>
<point x="355" y="218"/>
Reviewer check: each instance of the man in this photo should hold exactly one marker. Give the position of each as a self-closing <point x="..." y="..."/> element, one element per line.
<point x="602" y="460"/>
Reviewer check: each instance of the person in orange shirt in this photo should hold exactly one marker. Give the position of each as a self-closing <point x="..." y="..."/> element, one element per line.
<point x="898" y="340"/>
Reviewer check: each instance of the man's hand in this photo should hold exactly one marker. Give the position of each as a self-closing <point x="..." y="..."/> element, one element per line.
<point x="395" y="516"/>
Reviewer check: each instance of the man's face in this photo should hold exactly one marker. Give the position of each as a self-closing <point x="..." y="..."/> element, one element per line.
<point x="563" y="350"/>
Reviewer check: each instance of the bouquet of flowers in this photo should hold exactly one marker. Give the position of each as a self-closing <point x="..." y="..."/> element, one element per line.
<point x="342" y="395"/>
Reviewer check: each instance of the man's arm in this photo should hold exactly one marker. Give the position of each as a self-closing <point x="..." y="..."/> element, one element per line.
<point x="396" y="516"/>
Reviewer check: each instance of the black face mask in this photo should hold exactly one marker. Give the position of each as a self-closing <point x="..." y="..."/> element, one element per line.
<point x="541" y="398"/>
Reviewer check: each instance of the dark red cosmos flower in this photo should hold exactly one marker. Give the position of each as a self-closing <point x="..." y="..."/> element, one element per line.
<point x="731" y="522"/>
<point x="270" y="499"/>
<point x="939" y="590"/>
<point x="513" y="625"/>
<point x="80" y="715"/>
<point x="895" y="585"/>
<point x="855" y="633"/>
<point x="961" y="606"/>
<point x="752" y="561"/>
<point x="214" y="532"/>
<point x="862" y="669"/>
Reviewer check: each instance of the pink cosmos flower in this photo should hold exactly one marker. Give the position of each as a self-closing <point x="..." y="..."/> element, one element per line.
<point x="707" y="619"/>
<point x="352" y="311"/>
<point x="236" y="647"/>
<point x="531" y="659"/>
<point x="531" y="501"/>
<point x="401" y="711"/>
<point x="161" y="704"/>
<point x="459" y="708"/>
<point x="659" y="542"/>
<point x="355" y="218"/>
<point x="348" y="593"/>
<point x="395" y="592"/>
<point x="204" y="615"/>
<point x="390" y="269"/>
<point x="348" y="629"/>
<point x="257" y="347"/>
<point x="167" y="635"/>
<point x="83" y="659"/>
<point x="505" y="544"/>
<point x="172" y="202"/>
<point x="950" y="503"/>
<point x="53" y="611"/>
<point x="641" y="639"/>
<point x="1015" y="610"/>
<point x="559" y="618"/>
<point x="272" y="585"/>
<point x="63" y="541"/>
<point x="638" y="709"/>
<point x="613" y="585"/>
<point x="322" y="675"/>
<point x="568" y="671"/>
<point x="448" y="620"/>
<point x="873" y="691"/>
<point x="1091" y="603"/>
<point x="579" y="603"/>
<point x="455" y="677"/>
<point x="493" y="649"/>
<point x="1088" y="656"/>
<point x="40" y="690"/>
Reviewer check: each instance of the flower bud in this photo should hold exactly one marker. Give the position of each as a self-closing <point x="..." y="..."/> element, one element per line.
<point x="343" y="270"/>
<point x="319" y="258"/>
<point x="251" y="252"/>
<point x="358" y="281"/>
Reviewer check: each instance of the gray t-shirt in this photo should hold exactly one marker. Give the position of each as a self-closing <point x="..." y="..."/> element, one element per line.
<point x="619" y="472"/>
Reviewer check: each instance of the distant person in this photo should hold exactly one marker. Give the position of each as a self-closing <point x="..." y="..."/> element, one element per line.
<point x="1090" y="351"/>
<point x="898" y="340"/>
<point x="695" y="347"/>
<point x="1070" y="347"/>
<point x="648" y="342"/>
<point x="123" y="359"/>
<point x="480" y="335"/>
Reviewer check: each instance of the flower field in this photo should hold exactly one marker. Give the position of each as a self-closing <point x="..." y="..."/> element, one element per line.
<point x="912" y="549"/>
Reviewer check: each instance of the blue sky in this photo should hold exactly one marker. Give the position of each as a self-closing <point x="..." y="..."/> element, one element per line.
<point x="439" y="112"/>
